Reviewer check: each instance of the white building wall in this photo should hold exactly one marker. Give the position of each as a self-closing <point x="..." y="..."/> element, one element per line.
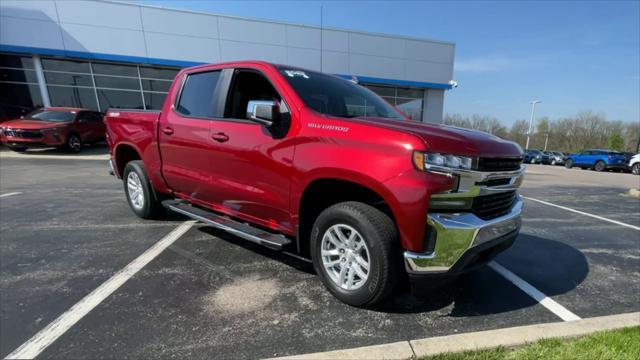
<point x="104" y="27"/>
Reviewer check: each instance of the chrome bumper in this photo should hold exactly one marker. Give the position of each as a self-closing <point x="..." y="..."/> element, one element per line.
<point x="458" y="234"/>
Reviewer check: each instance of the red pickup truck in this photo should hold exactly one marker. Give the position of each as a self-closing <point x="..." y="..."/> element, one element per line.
<point x="324" y="169"/>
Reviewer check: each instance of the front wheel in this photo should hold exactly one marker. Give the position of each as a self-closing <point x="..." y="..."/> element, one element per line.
<point x="600" y="166"/>
<point x="568" y="164"/>
<point x="354" y="252"/>
<point x="73" y="143"/>
<point x="140" y="194"/>
<point x="635" y="169"/>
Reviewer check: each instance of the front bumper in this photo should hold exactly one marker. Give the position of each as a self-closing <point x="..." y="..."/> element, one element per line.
<point x="461" y="236"/>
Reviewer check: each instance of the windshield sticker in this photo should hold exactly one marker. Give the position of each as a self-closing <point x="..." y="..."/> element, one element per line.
<point x="328" y="127"/>
<point x="296" y="73"/>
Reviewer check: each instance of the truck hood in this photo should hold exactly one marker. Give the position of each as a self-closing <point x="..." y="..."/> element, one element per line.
<point x="450" y="139"/>
<point x="32" y="124"/>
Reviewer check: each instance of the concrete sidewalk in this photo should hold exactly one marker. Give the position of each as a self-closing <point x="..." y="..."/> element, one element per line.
<point x="506" y="337"/>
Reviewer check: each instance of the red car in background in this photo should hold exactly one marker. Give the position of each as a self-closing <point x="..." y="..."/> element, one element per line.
<point x="67" y="128"/>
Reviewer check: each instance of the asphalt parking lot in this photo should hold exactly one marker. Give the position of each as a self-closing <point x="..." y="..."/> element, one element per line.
<point x="65" y="229"/>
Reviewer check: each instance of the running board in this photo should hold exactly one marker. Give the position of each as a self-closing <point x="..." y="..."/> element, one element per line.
<point x="245" y="231"/>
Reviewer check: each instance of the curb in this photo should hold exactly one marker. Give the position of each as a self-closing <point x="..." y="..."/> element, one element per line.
<point x="506" y="337"/>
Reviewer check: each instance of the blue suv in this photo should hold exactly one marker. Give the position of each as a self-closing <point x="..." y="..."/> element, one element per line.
<point x="597" y="159"/>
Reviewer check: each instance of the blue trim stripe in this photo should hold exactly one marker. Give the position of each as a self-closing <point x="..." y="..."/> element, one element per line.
<point x="394" y="82"/>
<point x="178" y="63"/>
<point x="97" y="56"/>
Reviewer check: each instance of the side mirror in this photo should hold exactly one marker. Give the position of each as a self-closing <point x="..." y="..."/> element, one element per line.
<point x="264" y="112"/>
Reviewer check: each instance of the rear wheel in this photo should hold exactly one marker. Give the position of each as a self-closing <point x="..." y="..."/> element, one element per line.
<point x="635" y="169"/>
<point x="354" y="252"/>
<point x="600" y="166"/>
<point x="568" y="164"/>
<point x="139" y="192"/>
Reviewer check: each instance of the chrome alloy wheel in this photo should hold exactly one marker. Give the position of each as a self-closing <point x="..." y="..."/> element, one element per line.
<point x="134" y="188"/>
<point x="345" y="256"/>
<point x="74" y="143"/>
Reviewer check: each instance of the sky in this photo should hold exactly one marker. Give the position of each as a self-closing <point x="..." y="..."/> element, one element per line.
<point x="571" y="55"/>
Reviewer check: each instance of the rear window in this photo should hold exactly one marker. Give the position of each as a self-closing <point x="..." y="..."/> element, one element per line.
<point x="198" y="95"/>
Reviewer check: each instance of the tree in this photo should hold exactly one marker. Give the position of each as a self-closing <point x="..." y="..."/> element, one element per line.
<point x="616" y="142"/>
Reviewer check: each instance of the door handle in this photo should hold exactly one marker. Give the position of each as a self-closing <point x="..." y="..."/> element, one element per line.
<point x="220" y="137"/>
<point x="167" y="130"/>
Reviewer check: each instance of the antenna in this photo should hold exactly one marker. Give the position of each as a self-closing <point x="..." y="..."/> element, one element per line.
<point x="321" y="20"/>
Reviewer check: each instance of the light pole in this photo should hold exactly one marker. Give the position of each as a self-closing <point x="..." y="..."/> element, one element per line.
<point x="533" y="109"/>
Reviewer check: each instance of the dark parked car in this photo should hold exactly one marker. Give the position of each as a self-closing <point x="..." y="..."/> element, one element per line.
<point x="598" y="159"/>
<point x="533" y="156"/>
<point x="557" y="158"/>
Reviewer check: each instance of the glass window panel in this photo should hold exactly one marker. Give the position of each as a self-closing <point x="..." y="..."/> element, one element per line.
<point x="53" y="78"/>
<point x="72" y="96"/>
<point x="411" y="93"/>
<point x="16" y="61"/>
<point x="113" y="69"/>
<point x="197" y="95"/>
<point x="18" y="75"/>
<point x="411" y="107"/>
<point x="120" y="99"/>
<point x="156" y="85"/>
<point x="157" y="73"/>
<point x="66" y="65"/>
<point x="382" y="90"/>
<point x="154" y="101"/>
<point x="117" y="82"/>
<point x="19" y="95"/>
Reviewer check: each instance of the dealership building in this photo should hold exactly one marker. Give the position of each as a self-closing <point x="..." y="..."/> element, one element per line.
<point x="104" y="54"/>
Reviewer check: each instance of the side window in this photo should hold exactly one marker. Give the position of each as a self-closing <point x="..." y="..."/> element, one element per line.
<point x="84" y="117"/>
<point x="198" y="95"/>
<point x="245" y="86"/>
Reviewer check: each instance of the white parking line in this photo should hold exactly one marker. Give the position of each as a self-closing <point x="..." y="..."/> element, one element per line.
<point x="536" y="294"/>
<point x="584" y="213"/>
<point x="10" y="194"/>
<point x="45" y="337"/>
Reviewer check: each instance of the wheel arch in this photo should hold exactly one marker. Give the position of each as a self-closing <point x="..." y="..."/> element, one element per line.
<point x="123" y="154"/>
<point x="322" y="192"/>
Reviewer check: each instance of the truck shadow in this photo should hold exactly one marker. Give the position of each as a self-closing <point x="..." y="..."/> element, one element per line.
<point x="553" y="267"/>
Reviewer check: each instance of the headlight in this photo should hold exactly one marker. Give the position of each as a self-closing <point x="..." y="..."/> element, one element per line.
<point x="437" y="161"/>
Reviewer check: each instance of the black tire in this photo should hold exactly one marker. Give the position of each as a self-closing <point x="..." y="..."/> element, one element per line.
<point x="635" y="169"/>
<point x="17" y="148"/>
<point x="73" y="143"/>
<point x="151" y="207"/>
<point x="568" y="164"/>
<point x="599" y="166"/>
<point x="379" y="233"/>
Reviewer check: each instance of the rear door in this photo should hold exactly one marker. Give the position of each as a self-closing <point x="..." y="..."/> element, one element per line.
<point x="184" y="139"/>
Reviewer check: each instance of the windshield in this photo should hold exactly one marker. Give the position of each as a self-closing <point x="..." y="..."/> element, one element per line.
<point x="331" y="95"/>
<point x="51" y="115"/>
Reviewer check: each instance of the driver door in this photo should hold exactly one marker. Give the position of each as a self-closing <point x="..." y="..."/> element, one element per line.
<point x="250" y="163"/>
